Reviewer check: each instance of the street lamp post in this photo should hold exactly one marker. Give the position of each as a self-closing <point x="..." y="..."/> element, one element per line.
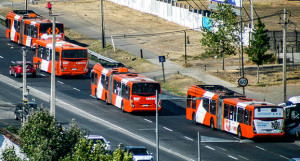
<point x="52" y="106"/>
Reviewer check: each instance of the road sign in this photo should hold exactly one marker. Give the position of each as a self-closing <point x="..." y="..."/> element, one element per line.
<point x="161" y="59"/>
<point x="243" y="81"/>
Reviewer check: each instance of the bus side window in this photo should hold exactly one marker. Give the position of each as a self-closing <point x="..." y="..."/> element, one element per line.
<point x="17" y="25"/>
<point x="103" y="80"/>
<point x="25" y="29"/>
<point x="234" y="113"/>
<point x="240" y="115"/>
<point x="231" y="112"/>
<point x="226" y="110"/>
<point x="115" y="86"/>
<point x="35" y="31"/>
<point x="194" y="104"/>
<point x="123" y="87"/>
<point x="119" y="88"/>
<point x="206" y="104"/>
<point x="106" y="82"/>
<point x="95" y="78"/>
<point x="250" y="118"/>
<point x="246" y="117"/>
<point x="188" y="101"/>
<point x="128" y="92"/>
<point x="213" y="108"/>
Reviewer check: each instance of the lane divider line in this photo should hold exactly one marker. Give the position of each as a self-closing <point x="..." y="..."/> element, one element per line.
<point x="148" y="120"/>
<point x="232" y="157"/>
<point x="187" y="138"/>
<point x="211" y="148"/>
<point x="167" y="129"/>
<point x="260" y="148"/>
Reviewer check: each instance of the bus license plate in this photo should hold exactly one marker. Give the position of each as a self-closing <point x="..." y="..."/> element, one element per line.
<point x="146" y="105"/>
<point x="74" y="68"/>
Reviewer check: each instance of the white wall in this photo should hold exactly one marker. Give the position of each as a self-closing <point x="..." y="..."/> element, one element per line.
<point x="176" y="14"/>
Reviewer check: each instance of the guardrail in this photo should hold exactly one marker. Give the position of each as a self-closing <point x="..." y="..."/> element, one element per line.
<point x="106" y="62"/>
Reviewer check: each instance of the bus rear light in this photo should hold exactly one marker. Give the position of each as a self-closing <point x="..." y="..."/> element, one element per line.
<point x="131" y="102"/>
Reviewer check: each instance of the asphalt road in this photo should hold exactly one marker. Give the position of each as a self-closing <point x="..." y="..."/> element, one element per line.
<point x="178" y="136"/>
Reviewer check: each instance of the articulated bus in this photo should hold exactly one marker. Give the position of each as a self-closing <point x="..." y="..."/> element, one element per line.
<point x="129" y="91"/>
<point x="227" y="110"/>
<point x="25" y="27"/>
<point x="70" y="59"/>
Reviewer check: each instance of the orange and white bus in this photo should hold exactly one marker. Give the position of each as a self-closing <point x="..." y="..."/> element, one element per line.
<point x="129" y="91"/>
<point x="25" y="27"/>
<point x="226" y="110"/>
<point x="70" y="59"/>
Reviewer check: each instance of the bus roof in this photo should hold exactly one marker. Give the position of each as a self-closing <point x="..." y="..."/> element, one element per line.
<point x="243" y="102"/>
<point x="134" y="78"/>
<point x="218" y="90"/>
<point x="294" y="99"/>
<point x="59" y="44"/>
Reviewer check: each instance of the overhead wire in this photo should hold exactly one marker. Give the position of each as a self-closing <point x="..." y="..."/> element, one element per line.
<point x="202" y="4"/>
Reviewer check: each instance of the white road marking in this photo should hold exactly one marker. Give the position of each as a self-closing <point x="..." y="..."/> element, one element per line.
<point x="222" y="148"/>
<point x="1" y="57"/>
<point x="283" y="157"/>
<point x="188" y="138"/>
<point x="243" y="157"/>
<point x="60" y="82"/>
<point x="232" y="157"/>
<point x="261" y="148"/>
<point x="43" y="75"/>
<point x="76" y="89"/>
<point x="92" y="96"/>
<point x="167" y="129"/>
<point x="211" y="148"/>
<point x="148" y="120"/>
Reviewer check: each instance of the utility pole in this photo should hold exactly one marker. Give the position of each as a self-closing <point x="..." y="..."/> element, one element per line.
<point x="102" y="25"/>
<point x="185" y="58"/>
<point x="284" y="55"/>
<point x="25" y="94"/>
<point x="242" y="55"/>
<point x="26" y="5"/>
<point x="52" y="106"/>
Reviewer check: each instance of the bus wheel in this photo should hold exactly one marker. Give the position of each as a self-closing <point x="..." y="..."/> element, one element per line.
<point x="212" y="126"/>
<point x="122" y="107"/>
<point x="194" y="119"/>
<point x="239" y="134"/>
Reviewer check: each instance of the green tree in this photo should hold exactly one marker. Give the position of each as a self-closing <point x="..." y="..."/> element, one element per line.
<point x="86" y="151"/>
<point x="9" y="154"/>
<point x="259" y="46"/>
<point x="42" y="138"/>
<point x="222" y="38"/>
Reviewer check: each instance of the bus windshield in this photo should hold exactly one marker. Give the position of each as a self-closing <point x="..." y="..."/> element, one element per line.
<point x="45" y="27"/>
<point x="268" y="112"/>
<point x="74" y="54"/>
<point x="292" y="113"/>
<point x="145" y="88"/>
